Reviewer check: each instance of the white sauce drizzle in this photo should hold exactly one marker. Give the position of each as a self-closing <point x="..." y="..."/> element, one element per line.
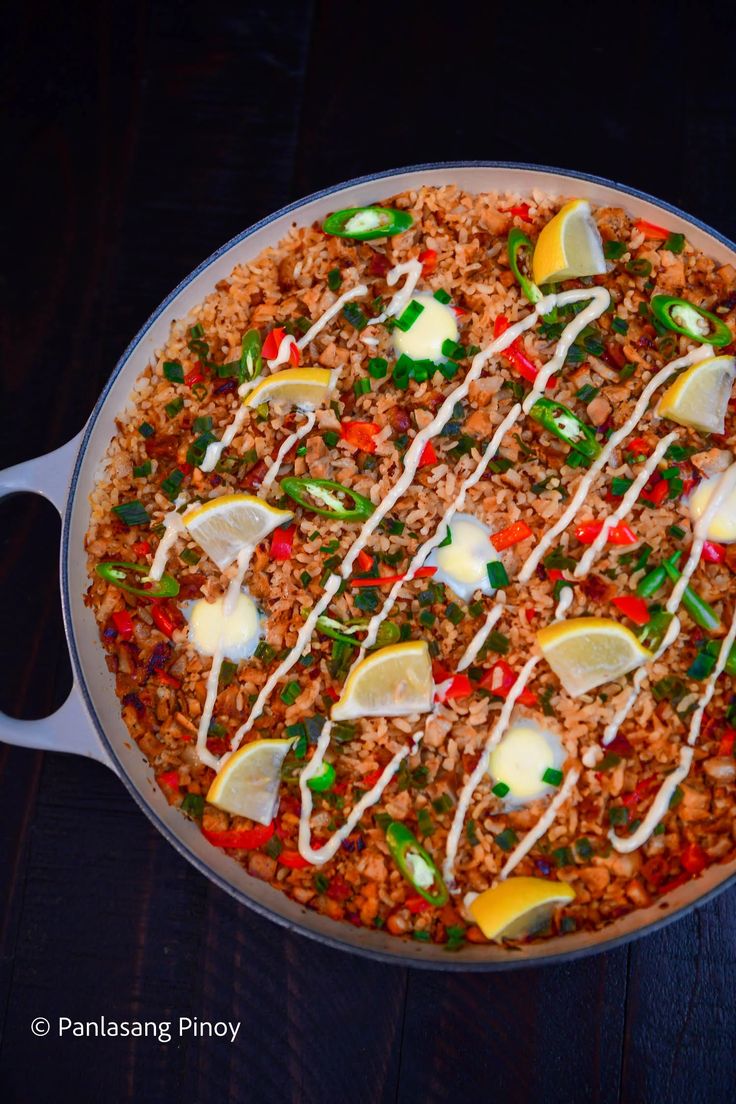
<point x="412" y="270"/>
<point x="583" y="487"/>
<point x="174" y="528"/>
<point x="286" y="445"/>
<point x="657" y="809"/>
<point x="216" y="448"/>
<point x="287" y="341"/>
<point x="494" y="614"/>
<point x="323" y="854"/>
<point x="545" y="821"/>
<point x="626" y="504"/>
<point x="497" y="732"/>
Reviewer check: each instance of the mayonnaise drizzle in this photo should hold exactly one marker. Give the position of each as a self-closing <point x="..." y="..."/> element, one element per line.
<point x="661" y="801"/>
<point x="286" y="445"/>
<point x="545" y="821"/>
<point x="583" y="487"/>
<point x="323" y="854"/>
<point x="627" y="502"/>
<point x="174" y="528"/>
<point x="412" y="270"/>
<point x="466" y="794"/>
<point x="287" y="341"/>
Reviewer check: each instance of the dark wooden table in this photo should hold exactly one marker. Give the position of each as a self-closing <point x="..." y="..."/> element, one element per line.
<point x="138" y="138"/>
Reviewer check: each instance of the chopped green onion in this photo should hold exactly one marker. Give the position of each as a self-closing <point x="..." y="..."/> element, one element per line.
<point x="354" y="315"/>
<point x="471" y="833"/>
<point x="675" y="243"/>
<point x="620" y="325"/>
<point x="197" y="330"/>
<point x="552" y="777"/>
<point x="132" y="513"/>
<point x="189" y="556"/>
<point x="198" y="449"/>
<point x="362" y="387"/>
<point x="377" y="367"/>
<point x="142" y="470"/>
<point x="193" y="805"/>
<point x="290" y="693"/>
<point x="638" y="266"/>
<point x="507" y="839"/>
<point x="330" y="438"/>
<point x="146" y="429"/>
<point x="453" y="613"/>
<point x="618" y="815"/>
<point x="500" y="789"/>
<point x="173" y="371"/>
<point x="172" y="483"/>
<point x="583" y="848"/>
<point x="497" y="642"/>
<point x="409" y="316"/>
<point x="173" y="408"/>
<point x="497" y="574"/>
<point x="587" y="392"/>
<point x="228" y="672"/>
<point x="620" y="485"/>
<point x="614" y="250"/>
<point x="442" y="296"/>
<point x="265" y="651"/>
<point x="442" y="804"/>
<point x="334" y="279"/>
<point x="202" y="424"/>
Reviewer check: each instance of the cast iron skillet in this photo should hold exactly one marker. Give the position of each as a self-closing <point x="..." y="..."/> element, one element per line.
<point x="89" y="722"/>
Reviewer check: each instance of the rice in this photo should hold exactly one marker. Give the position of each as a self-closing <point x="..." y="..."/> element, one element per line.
<point x="161" y="681"/>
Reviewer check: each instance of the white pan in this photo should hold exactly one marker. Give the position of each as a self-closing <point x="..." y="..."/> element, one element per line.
<point x="89" y="722"/>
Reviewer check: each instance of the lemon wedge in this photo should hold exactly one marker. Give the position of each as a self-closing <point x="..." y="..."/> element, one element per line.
<point x="390" y="682"/>
<point x="568" y="246"/>
<point x="518" y="907"/>
<point x="302" y="387"/>
<point x="589" y="651"/>
<point x="248" y="784"/>
<point x="700" y="396"/>
<point x="224" y="526"/>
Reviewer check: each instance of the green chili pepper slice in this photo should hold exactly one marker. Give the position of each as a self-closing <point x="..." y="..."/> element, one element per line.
<point x="251" y="362"/>
<point x="651" y="582"/>
<point x="328" y="626"/>
<point x="117" y="572"/>
<point x="685" y="318"/>
<point x="520" y="249"/>
<point x="561" y="421"/>
<point x="416" y="864"/>
<point x="653" y="633"/>
<point x="326" y="491"/>
<point x="323" y="780"/>
<point x="702" y="614"/>
<point x="367" y="223"/>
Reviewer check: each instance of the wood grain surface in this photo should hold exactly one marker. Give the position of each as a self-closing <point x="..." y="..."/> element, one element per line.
<point x="138" y="138"/>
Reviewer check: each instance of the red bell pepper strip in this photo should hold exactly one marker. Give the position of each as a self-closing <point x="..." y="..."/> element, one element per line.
<point x="639" y="446"/>
<point x="516" y="356"/>
<point x="429" y="456"/>
<point x="511" y="535"/>
<point x="634" y="608"/>
<point x="293" y="860"/>
<point x="657" y="493"/>
<point x="428" y="260"/>
<point x="498" y="679"/>
<point x="294" y="355"/>
<point x="460" y="686"/>
<point x="167" y="679"/>
<point x="169" y="778"/>
<point x="162" y="620"/>
<point x="554" y="574"/>
<point x="141" y="548"/>
<point x="416" y="904"/>
<point x="712" y="552"/>
<point x="640" y="791"/>
<point x="272" y="343"/>
<point x="651" y="230"/>
<point x="195" y="376"/>
<point x="460" y="311"/>
<point x="364" y="561"/>
<point x="241" y="839"/>
<point x="521" y="210"/>
<point x="693" y="858"/>
<point x="360" y="434"/>
<point x="385" y="580"/>
<point x="369" y="780"/>
<point x="618" y="534"/>
<point x="728" y="739"/>
<point x="282" y="543"/>
<point x="123" y="623"/>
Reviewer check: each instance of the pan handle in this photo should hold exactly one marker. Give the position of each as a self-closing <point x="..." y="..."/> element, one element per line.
<point x="70" y="728"/>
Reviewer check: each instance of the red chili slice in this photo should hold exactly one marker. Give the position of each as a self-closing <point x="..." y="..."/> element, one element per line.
<point x="282" y="543"/>
<point x="651" y="230"/>
<point x="241" y="839"/>
<point x="428" y="260"/>
<point x="511" y="535"/>
<point x="360" y="434"/>
<point x="429" y="456"/>
<point x="634" y="608"/>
